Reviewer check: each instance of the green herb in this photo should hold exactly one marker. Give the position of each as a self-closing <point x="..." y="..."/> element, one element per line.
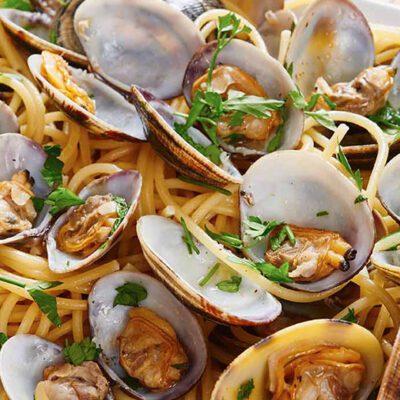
<point x="210" y="274"/>
<point x="350" y="316"/>
<point x="345" y="162"/>
<point x="38" y="203"/>
<point x="130" y="294"/>
<point x="245" y="390"/>
<point x="52" y="168"/>
<point x="283" y="234"/>
<point x="387" y="117"/>
<point x="53" y="36"/>
<point x="360" y="198"/>
<point x="122" y="211"/>
<point x="229" y="239"/>
<point x="231" y="286"/>
<point x="276" y="140"/>
<point x="322" y="117"/>
<point x="91" y="96"/>
<point x="289" y="69"/>
<point x="180" y="366"/>
<point x="47" y="304"/>
<point x="3" y="339"/>
<point x="78" y="353"/>
<point x="322" y="213"/>
<point x="23" y="5"/>
<point x="188" y="239"/>
<point x="62" y="198"/>
<point x="205" y="185"/>
<point x="257" y="229"/>
<point x="234" y="137"/>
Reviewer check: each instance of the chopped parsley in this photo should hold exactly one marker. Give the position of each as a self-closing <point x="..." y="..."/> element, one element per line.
<point x="130" y="294"/>
<point x="3" y="339"/>
<point x="231" y="285"/>
<point x="52" y="168"/>
<point x="203" y="282"/>
<point x="38" y="203"/>
<point x="122" y="211"/>
<point x="322" y="213"/>
<point x="205" y="185"/>
<point x="53" y="36"/>
<point x="188" y="239"/>
<point x="62" y="198"/>
<point x="350" y="316"/>
<point x="22" y="5"/>
<point x="360" y="198"/>
<point x="257" y="229"/>
<point x="283" y="234"/>
<point x="78" y="353"/>
<point x="229" y="239"/>
<point x="245" y="390"/>
<point x="387" y="117"/>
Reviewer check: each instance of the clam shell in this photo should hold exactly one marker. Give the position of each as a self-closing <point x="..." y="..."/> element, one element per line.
<point x="292" y="187"/>
<point x="158" y="119"/>
<point x="194" y="8"/>
<point x="167" y="254"/>
<point x="8" y="119"/>
<point x="268" y="72"/>
<point x="22" y="361"/>
<point x="126" y="184"/>
<point x="14" y="20"/>
<point x="332" y="40"/>
<point x="252" y="364"/>
<point x="108" y="322"/>
<point x="18" y="153"/>
<point x="115" y="117"/>
<point x="148" y="43"/>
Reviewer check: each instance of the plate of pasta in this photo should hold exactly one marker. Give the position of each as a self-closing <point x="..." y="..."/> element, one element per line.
<point x="199" y="199"/>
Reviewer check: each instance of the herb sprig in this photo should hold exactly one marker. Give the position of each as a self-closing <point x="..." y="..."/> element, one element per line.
<point x="130" y="294"/>
<point x="229" y="239"/>
<point x="22" y="5"/>
<point x="188" y="239"/>
<point x="78" y="353"/>
<point x="350" y="316"/>
<point x="245" y="390"/>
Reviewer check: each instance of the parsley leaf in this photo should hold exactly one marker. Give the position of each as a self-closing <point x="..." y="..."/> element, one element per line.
<point x="130" y="294"/>
<point x="229" y="239"/>
<point x="323" y="118"/>
<point x="53" y="36"/>
<point x="78" y="353"/>
<point x="245" y="390"/>
<point x="289" y="69"/>
<point x="38" y="203"/>
<point x="387" y="116"/>
<point x="122" y="210"/>
<point x="3" y="339"/>
<point x="322" y="213"/>
<point x="231" y="286"/>
<point x="345" y="162"/>
<point x="257" y="229"/>
<point x="203" y="282"/>
<point x="276" y="140"/>
<point x="23" y="5"/>
<point x="52" y="168"/>
<point x="350" y="316"/>
<point x="47" y="304"/>
<point x="274" y="274"/>
<point x="283" y="234"/>
<point x="188" y="239"/>
<point x="62" y="198"/>
<point x="205" y="185"/>
<point x="360" y="198"/>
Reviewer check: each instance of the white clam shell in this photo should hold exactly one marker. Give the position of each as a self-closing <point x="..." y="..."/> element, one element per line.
<point x="108" y="322"/>
<point x="18" y="153"/>
<point x="8" y="119"/>
<point x="332" y="40"/>
<point x="114" y="117"/>
<point x="292" y="187"/>
<point x="22" y="361"/>
<point x="165" y="250"/>
<point x="141" y="42"/>
<point x="253" y="363"/>
<point x="126" y="184"/>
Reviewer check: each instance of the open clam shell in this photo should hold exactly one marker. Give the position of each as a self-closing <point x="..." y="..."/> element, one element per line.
<point x="39" y="39"/>
<point x="267" y="71"/>
<point x="114" y="117"/>
<point x="394" y="97"/>
<point x="19" y="153"/>
<point x="194" y="8"/>
<point x="146" y="43"/>
<point x="332" y="40"/>
<point x="253" y="363"/>
<point x="22" y="361"/>
<point x="8" y="119"/>
<point x="293" y="187"/>
<point x="166" y="252"/>
<point x="158" y="119"/>
<point x="125" y="184"/>
<point x="108" y="322"/>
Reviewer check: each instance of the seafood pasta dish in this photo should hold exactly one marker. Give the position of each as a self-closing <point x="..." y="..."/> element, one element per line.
<point x="199" y="200"/>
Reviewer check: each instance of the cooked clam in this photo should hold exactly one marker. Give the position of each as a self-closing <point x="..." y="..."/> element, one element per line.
<point x="86" y="232"/>
<point x="8" y="119"/>
<point x="394" y="97"/>
<point x="157" y="343"/>
<point x="325" y="243"/>
<point x="243" y="67"/>
<point x="38" y="36"/>
<point x="85" y="98"/>
<point x="312" y="360"/>
<point x="146" y="43"/>
<point x="163" y="245"/>
<point x="20" y="180"/>
<point x="190" y="159"/>
<point x="31" y="367"/>
<point x="332" y="40"/>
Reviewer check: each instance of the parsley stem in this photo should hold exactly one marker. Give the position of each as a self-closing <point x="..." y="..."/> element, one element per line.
<point x="12" y="282"/>
<point x="209" y="275"/>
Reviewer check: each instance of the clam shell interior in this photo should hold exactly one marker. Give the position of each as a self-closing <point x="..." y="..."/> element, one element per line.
<point x="8" y="119"/>
<point x="292" y="187"/>
<point x="162" y="243"/>
<point x="108" y="322"/>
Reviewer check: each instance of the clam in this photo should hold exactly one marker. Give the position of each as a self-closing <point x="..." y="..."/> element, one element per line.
<point x="315" y="359"/>
<point x="25" y="359"/>
<point x="147" y="43"/>
<point x="164" y="248"/>
<point x="34" y="30"/>
<point x="332" y="40"/>
<point x="85" y="233"/>
<point x="20" y="179"/>
<point x="194" y="8"/>
<point x="8" y="119"/>
<point x="159" y="122"/>
<point x="272" y="81"/>
<point x="321" y="229"/>
<point x="90" y="101"/>
<point x="394" y="97"/>
<point x="110" y="322"/>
